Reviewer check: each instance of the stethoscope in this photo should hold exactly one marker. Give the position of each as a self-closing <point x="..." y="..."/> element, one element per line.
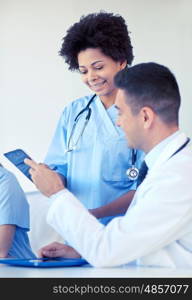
<point x="133" y="172"/>
<point x="73" y="145"/>
<point x="180" y="148"/>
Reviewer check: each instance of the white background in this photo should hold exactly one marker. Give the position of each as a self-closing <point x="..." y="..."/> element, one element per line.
<point x="35" y="83"/>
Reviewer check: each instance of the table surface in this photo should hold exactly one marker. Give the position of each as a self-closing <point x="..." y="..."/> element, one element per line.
<point x="86" y="271"/>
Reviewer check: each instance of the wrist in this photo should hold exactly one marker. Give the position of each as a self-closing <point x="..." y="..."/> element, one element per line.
<point x="97" y="212"/>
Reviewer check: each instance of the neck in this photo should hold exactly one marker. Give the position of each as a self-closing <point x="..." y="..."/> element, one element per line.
<point x="158" y="136"/>
<point x="108" y="100"/>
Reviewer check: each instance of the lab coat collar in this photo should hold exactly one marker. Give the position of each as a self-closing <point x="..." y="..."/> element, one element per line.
<point x="170" y="149"/>
<point x="156" y="151"/>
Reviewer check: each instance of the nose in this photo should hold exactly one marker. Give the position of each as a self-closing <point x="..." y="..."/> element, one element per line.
<point x="92" y="76"/>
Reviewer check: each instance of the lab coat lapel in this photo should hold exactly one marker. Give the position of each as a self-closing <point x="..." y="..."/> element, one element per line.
<point x="170" y="149"/>
<point x="107" y="123"/>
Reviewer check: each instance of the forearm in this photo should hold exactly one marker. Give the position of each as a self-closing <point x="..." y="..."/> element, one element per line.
<point x="6" y="237"/>
<point x="118" y="206"/>
<point x="127" y="238"/>
<point x="102" y="246"/>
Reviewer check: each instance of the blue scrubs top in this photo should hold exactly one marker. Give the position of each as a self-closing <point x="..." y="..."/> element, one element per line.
<point x="14" y="210"/>
<point x="96" y="170"/>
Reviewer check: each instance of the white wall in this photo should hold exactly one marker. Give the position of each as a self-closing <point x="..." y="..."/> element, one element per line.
<point x="35" y="83"/>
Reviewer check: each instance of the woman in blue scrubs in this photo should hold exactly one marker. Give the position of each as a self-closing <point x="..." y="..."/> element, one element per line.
<point x="88" y="148"/>
<point x="14" y="218"/>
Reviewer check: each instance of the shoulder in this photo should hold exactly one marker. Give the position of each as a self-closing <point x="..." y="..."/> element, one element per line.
<point x="77" y="104"/>
<point x="175" y="171"/>
<point x="14" y="208"/>
<point x="73" y="108"/>
<point x="181" y="161"/>
<point x="10" y="187"/>
<point x="6" y="177"/>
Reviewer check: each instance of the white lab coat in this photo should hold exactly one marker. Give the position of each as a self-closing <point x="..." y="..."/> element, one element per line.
<point x="155" y="231"/>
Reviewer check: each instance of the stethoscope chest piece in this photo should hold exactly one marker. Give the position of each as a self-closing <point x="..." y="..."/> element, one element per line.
<point x="132" y="173"/>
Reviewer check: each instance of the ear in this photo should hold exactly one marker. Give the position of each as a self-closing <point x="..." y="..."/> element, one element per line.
<point x="148" y="116"/>
<point x="123" y="64"/>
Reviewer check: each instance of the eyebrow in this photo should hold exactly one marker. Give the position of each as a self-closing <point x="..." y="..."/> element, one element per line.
<point x="94" y="63"/>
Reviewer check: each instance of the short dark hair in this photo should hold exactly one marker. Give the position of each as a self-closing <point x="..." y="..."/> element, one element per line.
<point x="102" y="30"/>
<point x="153" y="85"/>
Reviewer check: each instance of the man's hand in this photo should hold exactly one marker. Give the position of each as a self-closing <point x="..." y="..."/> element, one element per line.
<point x="58" y="250"/>
<point x="46" y="180"/>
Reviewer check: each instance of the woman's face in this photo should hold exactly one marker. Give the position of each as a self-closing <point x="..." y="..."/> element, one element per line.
<point x="98" y="70"/>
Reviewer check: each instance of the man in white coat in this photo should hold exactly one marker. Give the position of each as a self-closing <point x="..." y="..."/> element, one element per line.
<point x="157" y="227"/>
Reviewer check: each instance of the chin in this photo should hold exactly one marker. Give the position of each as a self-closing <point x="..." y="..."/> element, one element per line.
<point x="104" y="93"/>
<point x="129" y="144"/>
<point x="101" y="93"/>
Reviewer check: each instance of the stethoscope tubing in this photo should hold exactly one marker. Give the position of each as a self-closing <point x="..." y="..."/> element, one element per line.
<point x="87" y="107"/>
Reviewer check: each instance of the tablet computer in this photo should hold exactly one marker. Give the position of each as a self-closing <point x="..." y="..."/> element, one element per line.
<point x="44" y="262"/>
<point x="17" y="157"/>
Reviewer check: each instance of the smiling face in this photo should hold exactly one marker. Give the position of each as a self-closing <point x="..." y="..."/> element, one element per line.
<point x="98" y="70"/>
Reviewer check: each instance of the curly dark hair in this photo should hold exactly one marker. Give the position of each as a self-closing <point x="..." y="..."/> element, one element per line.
<point x="102" y="30"/>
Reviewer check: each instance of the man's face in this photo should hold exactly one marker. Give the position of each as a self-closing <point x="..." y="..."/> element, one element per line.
<point x="130" y="123"/>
